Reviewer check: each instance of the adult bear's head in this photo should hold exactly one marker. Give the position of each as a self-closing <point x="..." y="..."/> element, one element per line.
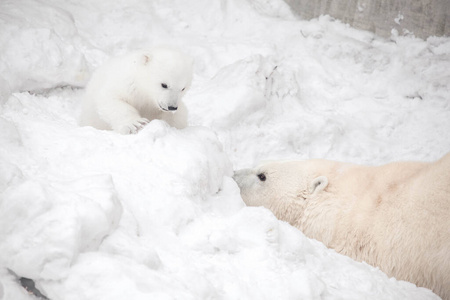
<point x="285" y="187"/>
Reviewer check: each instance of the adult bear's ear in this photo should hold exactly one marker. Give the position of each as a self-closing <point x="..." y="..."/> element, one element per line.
<point x="318" y="184"/>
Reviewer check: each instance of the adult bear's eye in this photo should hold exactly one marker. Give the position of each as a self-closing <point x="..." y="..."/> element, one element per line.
<point x="261" y="176"/>
<point x="164" y="85"/>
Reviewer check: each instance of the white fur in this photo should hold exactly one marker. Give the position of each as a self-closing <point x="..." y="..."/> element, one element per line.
<point x="395" y="217"/>
<point x="126" y="93"/>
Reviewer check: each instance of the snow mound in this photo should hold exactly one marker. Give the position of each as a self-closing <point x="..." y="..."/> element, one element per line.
<point x="45" y="46"/>
<point x="47" y="224"/>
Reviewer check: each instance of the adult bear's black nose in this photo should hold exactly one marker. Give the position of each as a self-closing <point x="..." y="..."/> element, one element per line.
<point x="173" y="108"/>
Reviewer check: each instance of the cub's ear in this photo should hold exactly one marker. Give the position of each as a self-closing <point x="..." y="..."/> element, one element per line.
<point x="146" y="58"/>
<point x="318" y="184"/>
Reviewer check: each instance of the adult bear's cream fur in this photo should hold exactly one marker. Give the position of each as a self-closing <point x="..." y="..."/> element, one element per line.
<point x="395" y="217"/>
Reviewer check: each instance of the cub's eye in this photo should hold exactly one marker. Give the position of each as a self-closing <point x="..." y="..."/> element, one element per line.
<point x="164" y="86"/>
<point x="183" y="89"/>
<point x="261" y="176"/>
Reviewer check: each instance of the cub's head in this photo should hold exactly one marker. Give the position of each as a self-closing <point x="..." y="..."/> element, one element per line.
<point x="285" y="187"/>
<point x="166" y="75"/>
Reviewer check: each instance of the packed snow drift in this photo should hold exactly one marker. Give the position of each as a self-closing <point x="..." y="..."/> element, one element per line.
<point x="92" y="214"/>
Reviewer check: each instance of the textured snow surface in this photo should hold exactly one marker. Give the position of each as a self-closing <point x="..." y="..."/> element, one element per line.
<point x="91" y="214"/>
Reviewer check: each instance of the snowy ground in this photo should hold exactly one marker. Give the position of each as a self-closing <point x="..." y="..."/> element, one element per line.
<point x="91" y="214"/>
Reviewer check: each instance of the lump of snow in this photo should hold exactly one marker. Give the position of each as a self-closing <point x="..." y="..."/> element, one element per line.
<point x="45" y="225"/>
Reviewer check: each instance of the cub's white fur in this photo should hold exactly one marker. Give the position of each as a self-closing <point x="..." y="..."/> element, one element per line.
<point x="129" y="91"/>
<point x="395" y="217"/>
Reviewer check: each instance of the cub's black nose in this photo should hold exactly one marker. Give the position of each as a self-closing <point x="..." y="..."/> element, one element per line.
<point x="172" y="108"/>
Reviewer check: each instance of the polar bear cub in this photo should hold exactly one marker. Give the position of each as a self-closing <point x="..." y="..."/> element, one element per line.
<point x="395" y="217"/>
<point x="129" y="91"/>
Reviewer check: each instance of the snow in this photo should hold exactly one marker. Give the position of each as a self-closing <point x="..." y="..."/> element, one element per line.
<point x="91" y="214"/>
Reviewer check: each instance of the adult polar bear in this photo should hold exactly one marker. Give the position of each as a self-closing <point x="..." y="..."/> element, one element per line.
<point x="395" y="217"/>
<point x="129" y="91"/>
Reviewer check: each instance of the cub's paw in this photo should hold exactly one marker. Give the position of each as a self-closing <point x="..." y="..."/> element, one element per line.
<point x="133" y="127"/>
